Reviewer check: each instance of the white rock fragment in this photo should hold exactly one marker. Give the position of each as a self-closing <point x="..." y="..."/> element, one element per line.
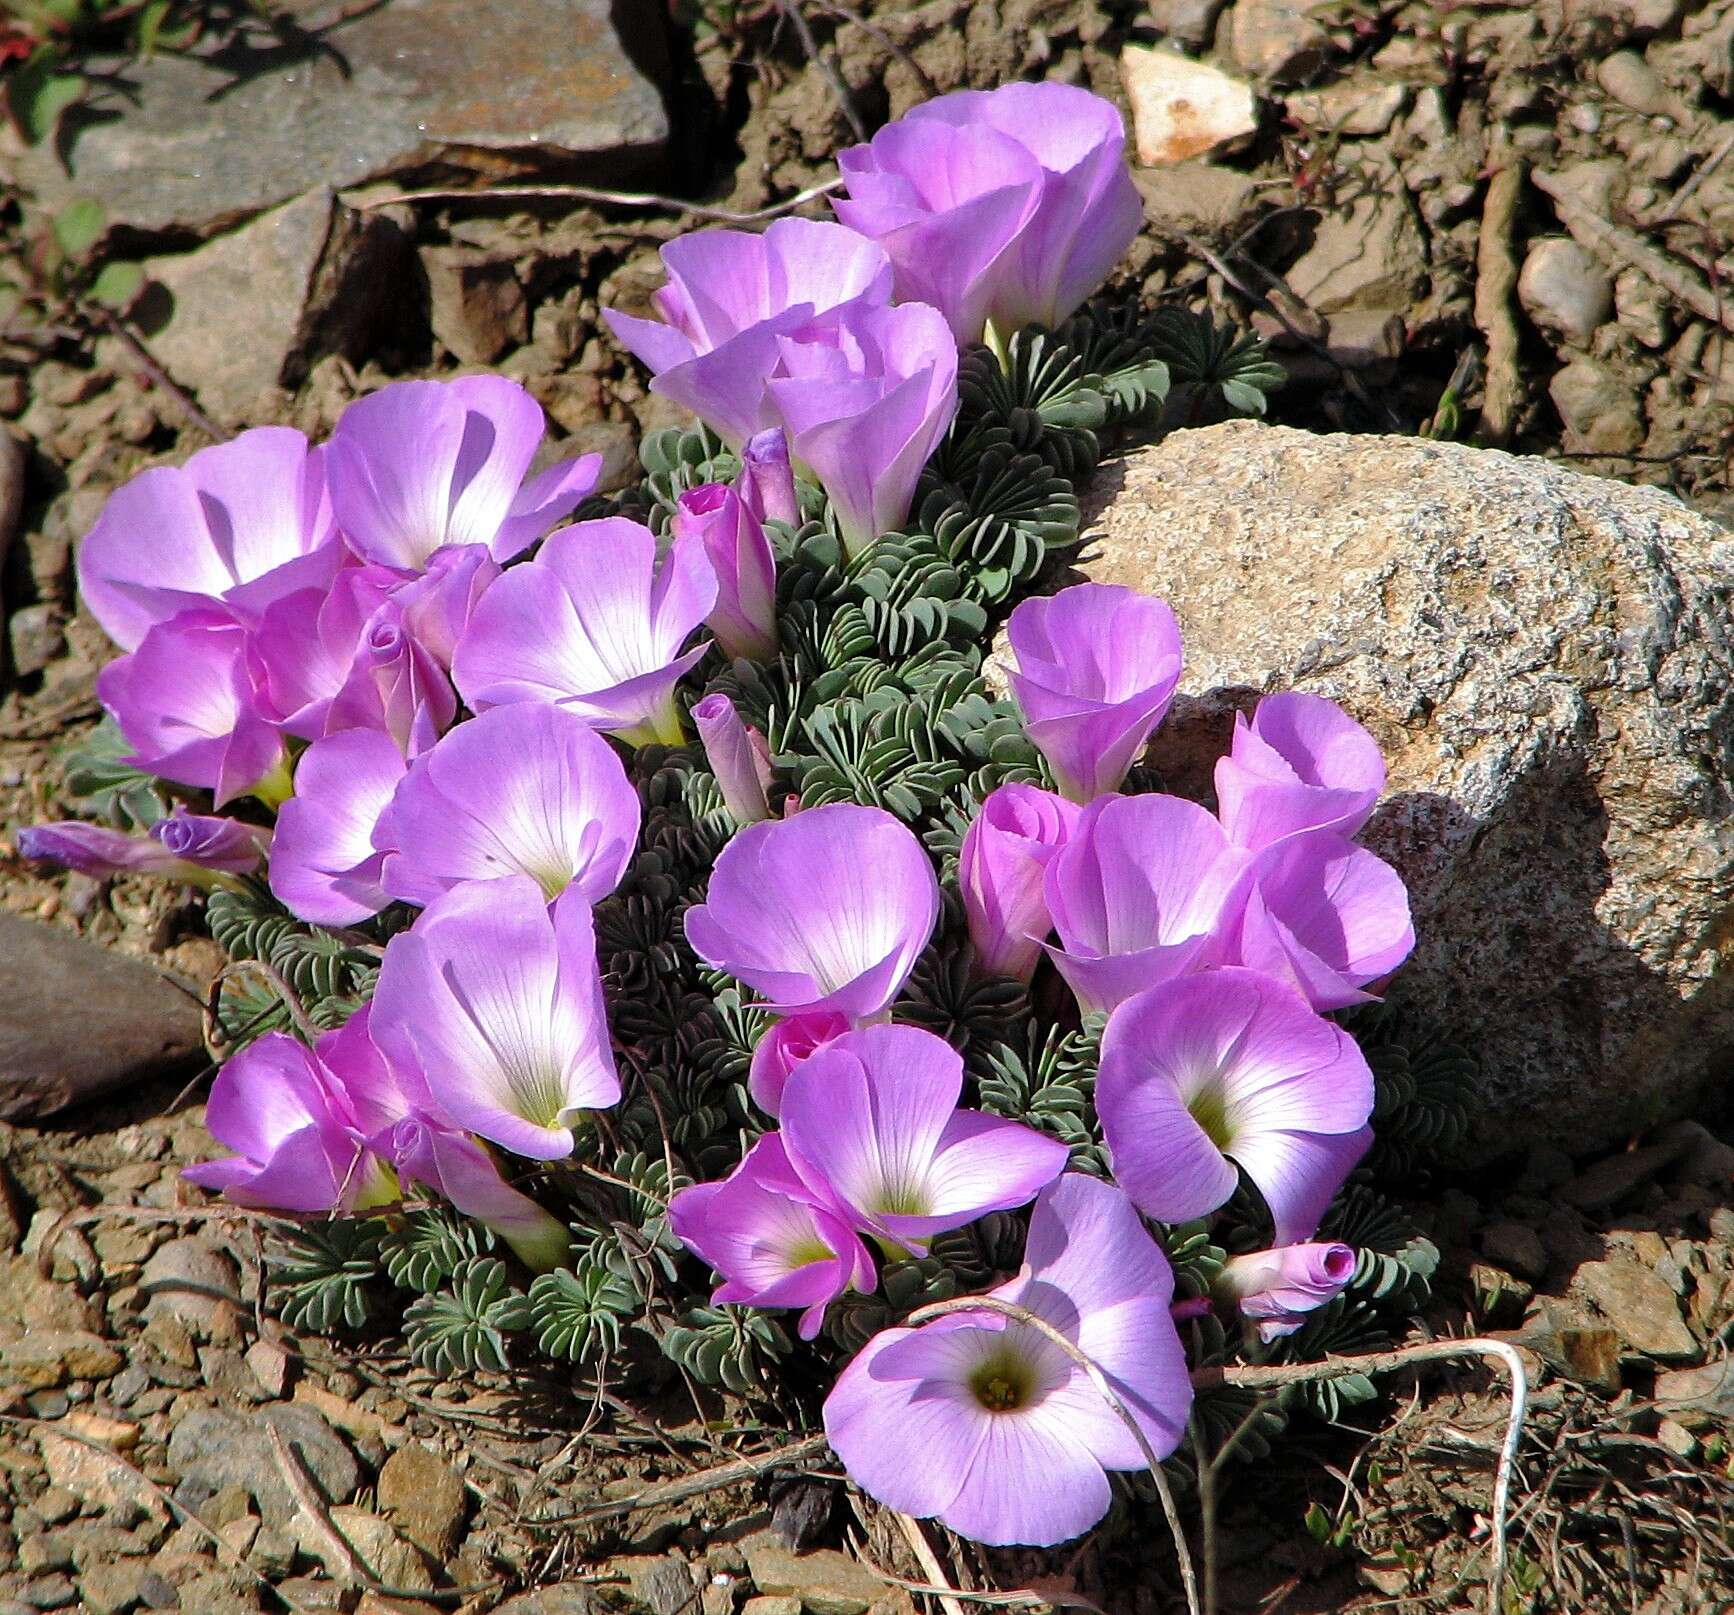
<point x="1182" y="108"/>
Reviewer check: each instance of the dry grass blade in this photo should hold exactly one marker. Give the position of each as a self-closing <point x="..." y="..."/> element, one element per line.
<point x="1495" y="290"/>
<point x="589" y="193"/>
<point x="710" y="1480"/>
<point x="941" y="1588"/>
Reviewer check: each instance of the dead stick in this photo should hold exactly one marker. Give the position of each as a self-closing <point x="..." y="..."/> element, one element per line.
<point x="587" y="193"/>
<point x="1259" y="1377"/>
<point x="792" y="10"/>
<point x="709" y="1480"/>
<point x="147" y="362"/>
<point x="1622" y="248"/>
<point x="1495" y="286"/>
<point x="941" y="1587"/>
<point x="1704" y="170"/>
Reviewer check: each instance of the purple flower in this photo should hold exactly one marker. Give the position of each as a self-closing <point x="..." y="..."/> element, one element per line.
<point x="422" y="464"/>
<point x="297" y="1141"/>
<point x="306" y="645"/>
<point x="1005" y="854"/>
<point x="426" y="1148"/>
<point x="241" y="524"/>
<point x="596" y="623"/>
<point x="865" y="398"/>
<point x="395" y="685"/>
<point x="1301" y="764"/>
<point x="1136" y="893"/>
<point x="489" y="1011"/>
<point x="1011" y="205"/>
<point x="1275" y="1289"/>
<point x="985" y="1424"/>
<point x="782" y="1048"/>
<point x="1322" y="914"/>
<point x="872" y="1126"/>
<point x="767" y="480"/>
<point x="95" y="849"/>
<point x="226" y="846"/>
<point x="744" y="618"/>
<point x="438" y="605"/>
<point x="324" y="864"/>
<point x="774" y="1243"/>
<point x="827" y="910"/>
<point x="1097" y="669"/>
<point x="186" y="846"/>
<point x="737" y="756"/>
<point x="529" y="789"/>
<point x="1227" y="1069"/>
<point x="730" y="295"/>
<point x="188" y="702"/>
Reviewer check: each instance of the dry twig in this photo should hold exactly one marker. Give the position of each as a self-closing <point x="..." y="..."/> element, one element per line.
<point x="589" y="193"/>
<point x="1270" y="1376"/>
<point x="1621" y="248"/>
<point x="1495" y="287"/>
<point x="941" y="1587"/>
<point x="709" y="1480"/>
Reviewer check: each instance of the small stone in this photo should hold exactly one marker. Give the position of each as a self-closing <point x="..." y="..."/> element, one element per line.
<point x="423" y="1496"/>
<point x="1358" y="107"/>
<point x="1369" y="255"/>
<point x="1631" y="81"/>
<point x="98" y="1479"/>
<point x="56" y="1504"/>
<point x="1191" y="23"/>
<point x="1697" y="1398"/>
<point x="1611" y="1180"/>
<point x="566" y="1598"/>
<point x="49" y="1592"/>
<point x="156" y="1592"/>
<point x="77" y="1020"/>
<point x="39" y="1555"/>
<point x="240" y="1534"/>
<point x="52" y="1357"/>
<point x="274" y="1551"/>
<point x="1640" y="1306"/>
<point x="476" y="303"/>
<point x="34" y="636"/>
<point x="1499" y="1296"/>
<point x="1597" y="407"/>
<point x="269" y="1365"/>
<point x="1676" y="1438"/>
<point x="766" y="1604"/>
<point x="1279" y="40"/>
<point x="1643" y="310"/>
<point x="111" y="1589"/>
<point x="390" y="1558"/>
<point x="1564" y="289"/>
<point x="1182" y="108"/>
<point x="211" y="1449"/>
<point x="662" y="1584"/>
<point x="826" y="1582"/>
<point x="1516" y="1246"/>
<point x="195" y="1282"/>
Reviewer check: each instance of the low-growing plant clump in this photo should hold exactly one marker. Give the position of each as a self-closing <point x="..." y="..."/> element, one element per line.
<point x="649" y="925"/>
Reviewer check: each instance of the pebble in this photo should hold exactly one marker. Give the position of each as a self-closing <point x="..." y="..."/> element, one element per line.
<point x="1517" y="1247"/>
<point x="49" y="1592"/>
<point x="1599" y="413"/>
<point x="52" y="1357"/>
<point x="1631" y="81"/>
<point x="423" y="1496"/>
<point x="1640" y="1306"/>
<point x="211" y="1449"/>
<point x="1564" y="289"/>
<point x="826" y="1582"/>
<point x="191" y="1280"/>
<point x="1182" y="108"/>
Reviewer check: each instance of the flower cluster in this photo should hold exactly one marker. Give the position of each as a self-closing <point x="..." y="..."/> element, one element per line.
<point x="440" y="698"/>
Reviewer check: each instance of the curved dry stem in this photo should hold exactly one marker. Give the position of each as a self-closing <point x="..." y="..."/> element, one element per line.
<point x="1023" y="1315"/>
<point x="1254" y="1376"/>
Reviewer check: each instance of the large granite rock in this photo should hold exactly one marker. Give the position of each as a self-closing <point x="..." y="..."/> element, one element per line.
<point x="1546" y="659"/>
<point x="77" y="1020"/>
<point x="474" y="87"/>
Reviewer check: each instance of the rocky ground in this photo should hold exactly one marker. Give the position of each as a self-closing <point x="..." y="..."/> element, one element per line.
<point x="1388" y="192"/>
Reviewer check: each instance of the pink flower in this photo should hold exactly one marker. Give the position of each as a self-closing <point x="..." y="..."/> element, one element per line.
<point x="1301" y="764"/>
<point x="783" y="1047"/>
<point x="1000" y="870"/>
<point x="1275" y="1289"/>
<point x="984" y="1424"/>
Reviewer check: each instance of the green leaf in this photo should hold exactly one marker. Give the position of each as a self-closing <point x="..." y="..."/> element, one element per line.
<point x="117" y="283"/>
<point x="79" y="225"/>
<point x="37" y="94"/>
<point x="149" y="26"/>
<point x="1318" y="1524"/>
